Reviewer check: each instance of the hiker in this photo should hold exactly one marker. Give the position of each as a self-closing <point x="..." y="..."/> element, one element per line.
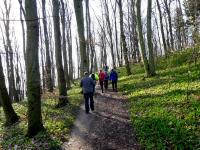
<point x="114" y="79"/>
<point x="101" y="79"/>
<point x="95" y="80"/>
<point x="106" y="80"/>
<point x="105" y="68"/>
<point x="96" y="76"/>
<point x="87" y="85"/>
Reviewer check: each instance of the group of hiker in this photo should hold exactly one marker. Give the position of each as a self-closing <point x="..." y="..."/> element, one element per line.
<point x="89" y="82"/>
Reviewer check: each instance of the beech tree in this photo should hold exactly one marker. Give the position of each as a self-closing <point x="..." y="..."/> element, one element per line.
<point x="48" y="77"/>
<point x="149" y="39"/>
<point x="10" y="115"/>
<point x="80" y="26"/>
<point x="35" y="124"/>
<point x="58" y="55"/>
<point x="123" y="40"/>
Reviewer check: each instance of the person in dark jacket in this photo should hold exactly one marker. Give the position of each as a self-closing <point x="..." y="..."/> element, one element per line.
<point x="94" y="79"/>
<point x="106" y="80"/>
<point x="88" y="85"/>
<point x="114" y="79"/>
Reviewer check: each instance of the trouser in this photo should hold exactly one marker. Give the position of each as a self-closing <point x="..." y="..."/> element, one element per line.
<point x="114" y="85"/>
<point x="106" y="84"/>
<point x="89" y="102"/>
<point x="101" y="85"/>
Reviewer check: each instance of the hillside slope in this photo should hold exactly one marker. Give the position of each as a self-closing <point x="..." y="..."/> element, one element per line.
<point x="165" y="110"/>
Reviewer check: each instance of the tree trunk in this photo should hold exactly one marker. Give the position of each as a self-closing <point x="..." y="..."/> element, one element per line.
<point x="149" y="39"/>
<point x="110" y="33"/>
<point x="141" y="38"/>
<point x="69" y="42"/>
<point x="10" y="115"/>
<point x="123" y="40"/>
<point x="32" y="69"/>
<point x="114" y="8"/>
<point x="170" y="23"/>
<point x="9" y="53"/>
<point x="58" y="55"/>
<point x="48" y="79"/>
<point x="22" y="11"/>
<point x="42" y="61"/>
<point x="161" y="28"/>
<point x="80" y="25"/>
<point x="64" y="50"/>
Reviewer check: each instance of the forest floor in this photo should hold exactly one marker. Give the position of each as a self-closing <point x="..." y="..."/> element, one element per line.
<point x="107" y="128"/>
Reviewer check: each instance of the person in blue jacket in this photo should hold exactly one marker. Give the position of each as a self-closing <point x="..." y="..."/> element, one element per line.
<point x="87" y="84"/>
<point x="114" y="79"/>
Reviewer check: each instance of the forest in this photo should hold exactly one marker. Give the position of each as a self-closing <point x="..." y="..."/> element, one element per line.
<point x="46" y="46"/>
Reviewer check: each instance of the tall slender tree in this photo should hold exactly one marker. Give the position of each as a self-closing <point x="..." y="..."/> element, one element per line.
<point x="114" y="8"/>
<point x="162" y="28"/>
<point x="141" y="38"/>
<point x="48" y="78"/>
<point x="80" y="26"/>
<point x="22" y="14"/>
<point x="9" y="53"/>
<point x="58" y="55"/>
<point x="69" y="41"/>
<point x="123" y="40"/>
<point x="110" y="32"/>
<point x="168" y="11"/>
<point x="64" y="50"/>
<point x="149" y="39"/>
<point x="32" y="69"/>
<point x="10" y="115"/>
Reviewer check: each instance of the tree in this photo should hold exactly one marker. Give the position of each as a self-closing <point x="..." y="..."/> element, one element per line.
<point x="48" y="79"/>
<point x="80" y="25"/>
<point x="110" y="32"/>
<point x="64" y="50"/>
<point x="58" y="55"/>
<point x="161" y="28"/>
<point x="149" y="39"/>
<point x="123" y="40"/>
<point x="192" y="9"/>
<point x="168" y="11"/>
<point x="32" y="69"/>
<point x="9" y="53"/>
<point x="22" y="13"/>
<point x="141" y="38"/>
<point x="69" y="41"/>
<point x="10" y="115"/>
<point x="114" y="8"/>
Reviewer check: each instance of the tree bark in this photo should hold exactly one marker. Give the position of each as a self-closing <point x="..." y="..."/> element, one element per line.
<point x="64" y="50"/>
<point x="80" y="25"/>
<point x="22" y="13"/>
<point x="48" y="79"/>
<point x="10" y="115"/>
<point x="170" y="23"/>
<point x="58" y="55"/>
<point x="9" y="53"/>
<point x="141" y="38"/>
<point x="69" y="42"/>
<point x="114" y="8"/>
<point x="32" y="69"/>
<point x="123" y="40"/>
<point x="161" y="28"/>
<point x="110" y="33"/>
<point x="149" y="39"/>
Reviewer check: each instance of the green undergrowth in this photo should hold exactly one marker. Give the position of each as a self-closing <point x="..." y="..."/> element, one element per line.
<point x="57" y="123"/>
<point x="165" y="109"/>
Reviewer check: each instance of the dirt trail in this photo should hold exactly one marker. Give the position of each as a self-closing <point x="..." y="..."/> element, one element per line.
<point x="107" y="128"/>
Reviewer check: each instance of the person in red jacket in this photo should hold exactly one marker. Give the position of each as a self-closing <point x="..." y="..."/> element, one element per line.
<point x="101" y="79"/>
